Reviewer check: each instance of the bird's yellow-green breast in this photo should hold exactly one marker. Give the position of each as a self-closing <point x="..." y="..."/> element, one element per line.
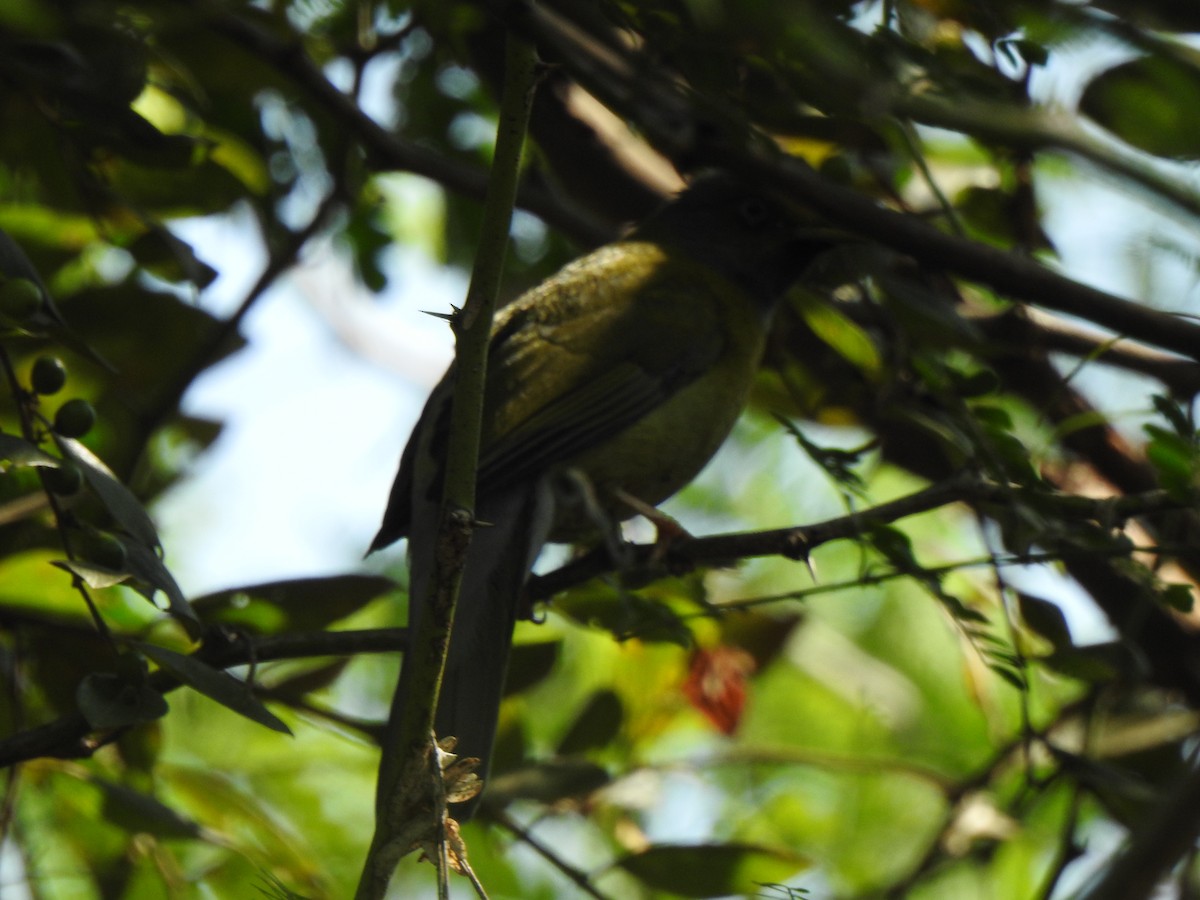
<point x="631" y="366"/>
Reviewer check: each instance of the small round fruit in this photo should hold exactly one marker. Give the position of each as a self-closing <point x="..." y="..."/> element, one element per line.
<point x="64" y="480"/>
<point x="75" y="418"/>
<point x="49" y="375"/>
<point x="20" y="298"/>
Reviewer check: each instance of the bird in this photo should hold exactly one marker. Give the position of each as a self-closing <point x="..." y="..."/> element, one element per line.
<point x="608" y="388"/>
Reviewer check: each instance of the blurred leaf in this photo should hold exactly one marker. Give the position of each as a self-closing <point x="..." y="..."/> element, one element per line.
<point x="1179" y="418"/>
<point x="115" y="320"/>
<point x="625" y="613"/>
<point x="147" y="566"/>
<point x="140" y="813"/>
<point x="1148" y="103"/>
<point x="1175" y="458"/>
<point x="1179" y="597"/>
<point x="841" y="333"/>
<point x="716" y="685"/>
<point x="711" y="870"/>
<point x="162" y="253"/>
<point x="838" y="464"/>
<point x="214" y="684"/>
<point x="110" y="701"/>
<point x="1046" y="618"/>
<point x="124" y="507"/>
<point x="302" y="604"/>
<point x="21" y="452"/>
<point x="296" y="685"/>
<point x="546" y="782"/>
<point x="95" y="577"/>
<point x="1096" y="663"/>
<point x="596" y="725"/>
<point x="529" y="664"/>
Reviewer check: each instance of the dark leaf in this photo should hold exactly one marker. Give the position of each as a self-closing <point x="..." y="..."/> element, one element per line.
<point x="214" y="684"/>
<point x="529" y="664"/>
<point x="162" y="253"/>
<point x="302" y="604"/>
<point x="596" y="725"/>
<point x="711" y="870"/>
<point x="147" y="566"/>
<point x="110" y="701"/>
<point x="1045" y="618"/>
<point x="1149" y="103"/>
<point x="140" y="813"/>
<point x="124" y="507"/>
<point x="546" y="782"/>
<point x="1179" y="597"/>
<point x="294" y="686"/>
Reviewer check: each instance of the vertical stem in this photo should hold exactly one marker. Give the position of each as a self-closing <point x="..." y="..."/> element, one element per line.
<point x="408" y="792"/>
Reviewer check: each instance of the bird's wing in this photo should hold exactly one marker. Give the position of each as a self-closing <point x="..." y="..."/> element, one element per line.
<point x="633" y="338"/>
<point x="572" y="362"/>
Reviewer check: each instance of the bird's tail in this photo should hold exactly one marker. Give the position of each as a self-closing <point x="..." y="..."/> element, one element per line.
<point x="514" y="526"/>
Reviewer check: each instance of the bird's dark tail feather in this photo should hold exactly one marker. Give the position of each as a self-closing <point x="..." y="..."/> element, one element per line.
<point x="498" y="563"/>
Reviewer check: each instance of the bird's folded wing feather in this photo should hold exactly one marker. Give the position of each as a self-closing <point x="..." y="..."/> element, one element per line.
<point x="555" y="393"/>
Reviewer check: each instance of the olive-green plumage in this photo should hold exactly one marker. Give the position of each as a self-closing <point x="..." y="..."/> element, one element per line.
<point x="628" y="368"/>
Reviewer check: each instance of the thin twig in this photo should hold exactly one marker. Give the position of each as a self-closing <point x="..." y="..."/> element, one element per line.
<point x="577" y="876"/>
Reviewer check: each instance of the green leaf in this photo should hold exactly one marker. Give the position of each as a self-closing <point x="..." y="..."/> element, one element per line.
<point x="124" y="507"/>
<point x="992" y="416"/>
<point x="711" y="870"/>
<point x="1149" y="103"/>
<point x="147" y="566"/>
<point x="529" y="664"/>
<point x="95" y="577"/>
<point x="1096" y="663"/>
<point x="299" y="604"/>
<point x="1178" y="597"/>
<point x="596" y="725"/>
<point x="140" y="813"/>
<point x="841" y="333"/>
<point x="162" y="253"/>
<point x="1045" y="618"/>
<point x="214" y="684"/>
<point x="110" y="701"/>
<point x="20" y="452"/>
<point x="547" y="782"/>
<point x="625" y="613"/>
<point x="1170" y="410"/>
<point x="1173" y="457"/>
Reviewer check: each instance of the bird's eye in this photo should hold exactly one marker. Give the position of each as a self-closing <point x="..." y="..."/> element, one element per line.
<point x="754" y="212"/>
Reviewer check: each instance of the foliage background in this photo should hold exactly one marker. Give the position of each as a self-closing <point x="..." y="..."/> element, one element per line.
<point x="913" y="726"/>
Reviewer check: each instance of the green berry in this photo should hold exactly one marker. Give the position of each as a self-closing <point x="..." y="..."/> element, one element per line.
<point x="20" y="298"/>
<point x="64" y="480"/>
<point x="75" y="418"/>
<point x="49" y="375"/>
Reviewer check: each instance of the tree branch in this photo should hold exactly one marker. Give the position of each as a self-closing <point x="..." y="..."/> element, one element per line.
<point x="697" y="137"/>
<point x="797" y="542"/>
